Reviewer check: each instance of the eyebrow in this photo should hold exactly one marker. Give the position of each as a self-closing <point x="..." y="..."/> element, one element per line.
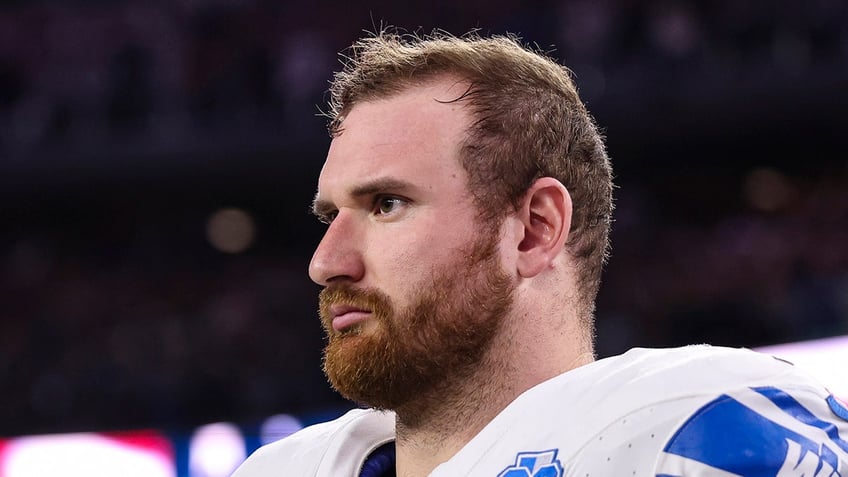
<point x="321" y="208"/>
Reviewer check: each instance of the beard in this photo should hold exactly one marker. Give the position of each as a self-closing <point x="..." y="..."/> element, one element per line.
<point x="427" y="348"/>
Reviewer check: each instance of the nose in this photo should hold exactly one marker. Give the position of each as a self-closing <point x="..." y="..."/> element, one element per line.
<point x="338" y="257"/>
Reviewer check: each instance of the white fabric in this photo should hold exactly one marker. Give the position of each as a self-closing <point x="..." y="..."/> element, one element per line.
<point x="613" y="417"/>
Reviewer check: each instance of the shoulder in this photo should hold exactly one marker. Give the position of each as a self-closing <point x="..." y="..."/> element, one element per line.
<point x="715" y="411"/>
<point x="715" y="364"/>
<point x="644" y="378"/>
<point x="335" y="448"/>
<point x="792" y="427"/>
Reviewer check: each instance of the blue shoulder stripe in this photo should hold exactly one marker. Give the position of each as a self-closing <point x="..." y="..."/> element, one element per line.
<point x="837" y="407"/>
<point x="791" y="406"/>
<point x="728" y="435"/>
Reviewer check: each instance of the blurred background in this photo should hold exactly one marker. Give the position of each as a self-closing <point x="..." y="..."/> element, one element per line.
<point x="158" y="159"/>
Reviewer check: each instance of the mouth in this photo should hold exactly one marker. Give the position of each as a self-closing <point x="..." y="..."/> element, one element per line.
<point x="345" y="316"/>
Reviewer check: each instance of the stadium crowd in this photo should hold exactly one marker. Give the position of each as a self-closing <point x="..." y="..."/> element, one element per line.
<point x="116" y="311"/>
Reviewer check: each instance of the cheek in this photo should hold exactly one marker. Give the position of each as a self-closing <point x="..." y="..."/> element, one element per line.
<point x="403" y="256"/>
<point x="404" y="262"/>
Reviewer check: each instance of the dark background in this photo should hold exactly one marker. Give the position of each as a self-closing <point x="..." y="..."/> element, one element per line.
<point x="125" y="125"/>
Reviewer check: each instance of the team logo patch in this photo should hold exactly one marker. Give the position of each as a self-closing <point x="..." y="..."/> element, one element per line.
<point x="535" y="464"/>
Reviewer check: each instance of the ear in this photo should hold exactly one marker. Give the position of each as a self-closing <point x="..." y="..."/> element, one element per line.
<point x="545" y="214"/>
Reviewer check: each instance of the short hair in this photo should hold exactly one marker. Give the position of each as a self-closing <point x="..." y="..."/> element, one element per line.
<point x="528" y="122"/>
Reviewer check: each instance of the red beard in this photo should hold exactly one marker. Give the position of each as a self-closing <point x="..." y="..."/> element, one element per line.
<point x="399" y="356"/>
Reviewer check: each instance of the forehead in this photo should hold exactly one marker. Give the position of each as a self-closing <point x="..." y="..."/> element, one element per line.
<point x="414" y="133"/>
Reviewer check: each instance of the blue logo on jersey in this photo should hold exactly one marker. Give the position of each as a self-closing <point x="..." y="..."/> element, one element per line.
<point x="727" y="435"/>
<point x="534" y="464"/>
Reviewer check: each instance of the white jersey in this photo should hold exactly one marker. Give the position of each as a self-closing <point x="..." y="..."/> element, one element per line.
<point x="692" y="411"/>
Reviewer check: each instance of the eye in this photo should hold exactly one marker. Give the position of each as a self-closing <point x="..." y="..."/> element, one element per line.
<point x="386" y="204"/>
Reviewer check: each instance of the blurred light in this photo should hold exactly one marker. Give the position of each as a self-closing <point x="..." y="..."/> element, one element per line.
<point x="276" y="427"/>
<point x="230" y="230"/>
<point x="216" y="450"/>
<point x="87" y="455"/>
<point x="768" y="190"/>
<point x="825" y="359"/>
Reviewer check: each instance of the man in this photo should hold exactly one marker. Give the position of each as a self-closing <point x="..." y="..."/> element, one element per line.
<point x="468" y="196"/>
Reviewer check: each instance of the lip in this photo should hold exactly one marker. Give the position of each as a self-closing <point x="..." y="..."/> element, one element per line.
<point x="345" y="316"/>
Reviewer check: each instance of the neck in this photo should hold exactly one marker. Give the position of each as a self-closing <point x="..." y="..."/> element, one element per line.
<point x="434" y="427"/>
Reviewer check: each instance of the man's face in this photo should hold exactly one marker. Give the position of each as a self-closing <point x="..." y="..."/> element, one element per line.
<point x="415" y="290"/>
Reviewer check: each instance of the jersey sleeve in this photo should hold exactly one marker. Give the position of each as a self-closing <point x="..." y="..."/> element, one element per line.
<point x="331" y="449"/>
<point x="760" y="431"/>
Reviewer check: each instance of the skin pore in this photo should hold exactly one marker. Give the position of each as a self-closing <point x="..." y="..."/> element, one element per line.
<point x="405" y="260"/>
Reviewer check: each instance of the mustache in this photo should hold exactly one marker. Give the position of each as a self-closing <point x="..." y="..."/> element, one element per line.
<point x="366" y="298"/>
